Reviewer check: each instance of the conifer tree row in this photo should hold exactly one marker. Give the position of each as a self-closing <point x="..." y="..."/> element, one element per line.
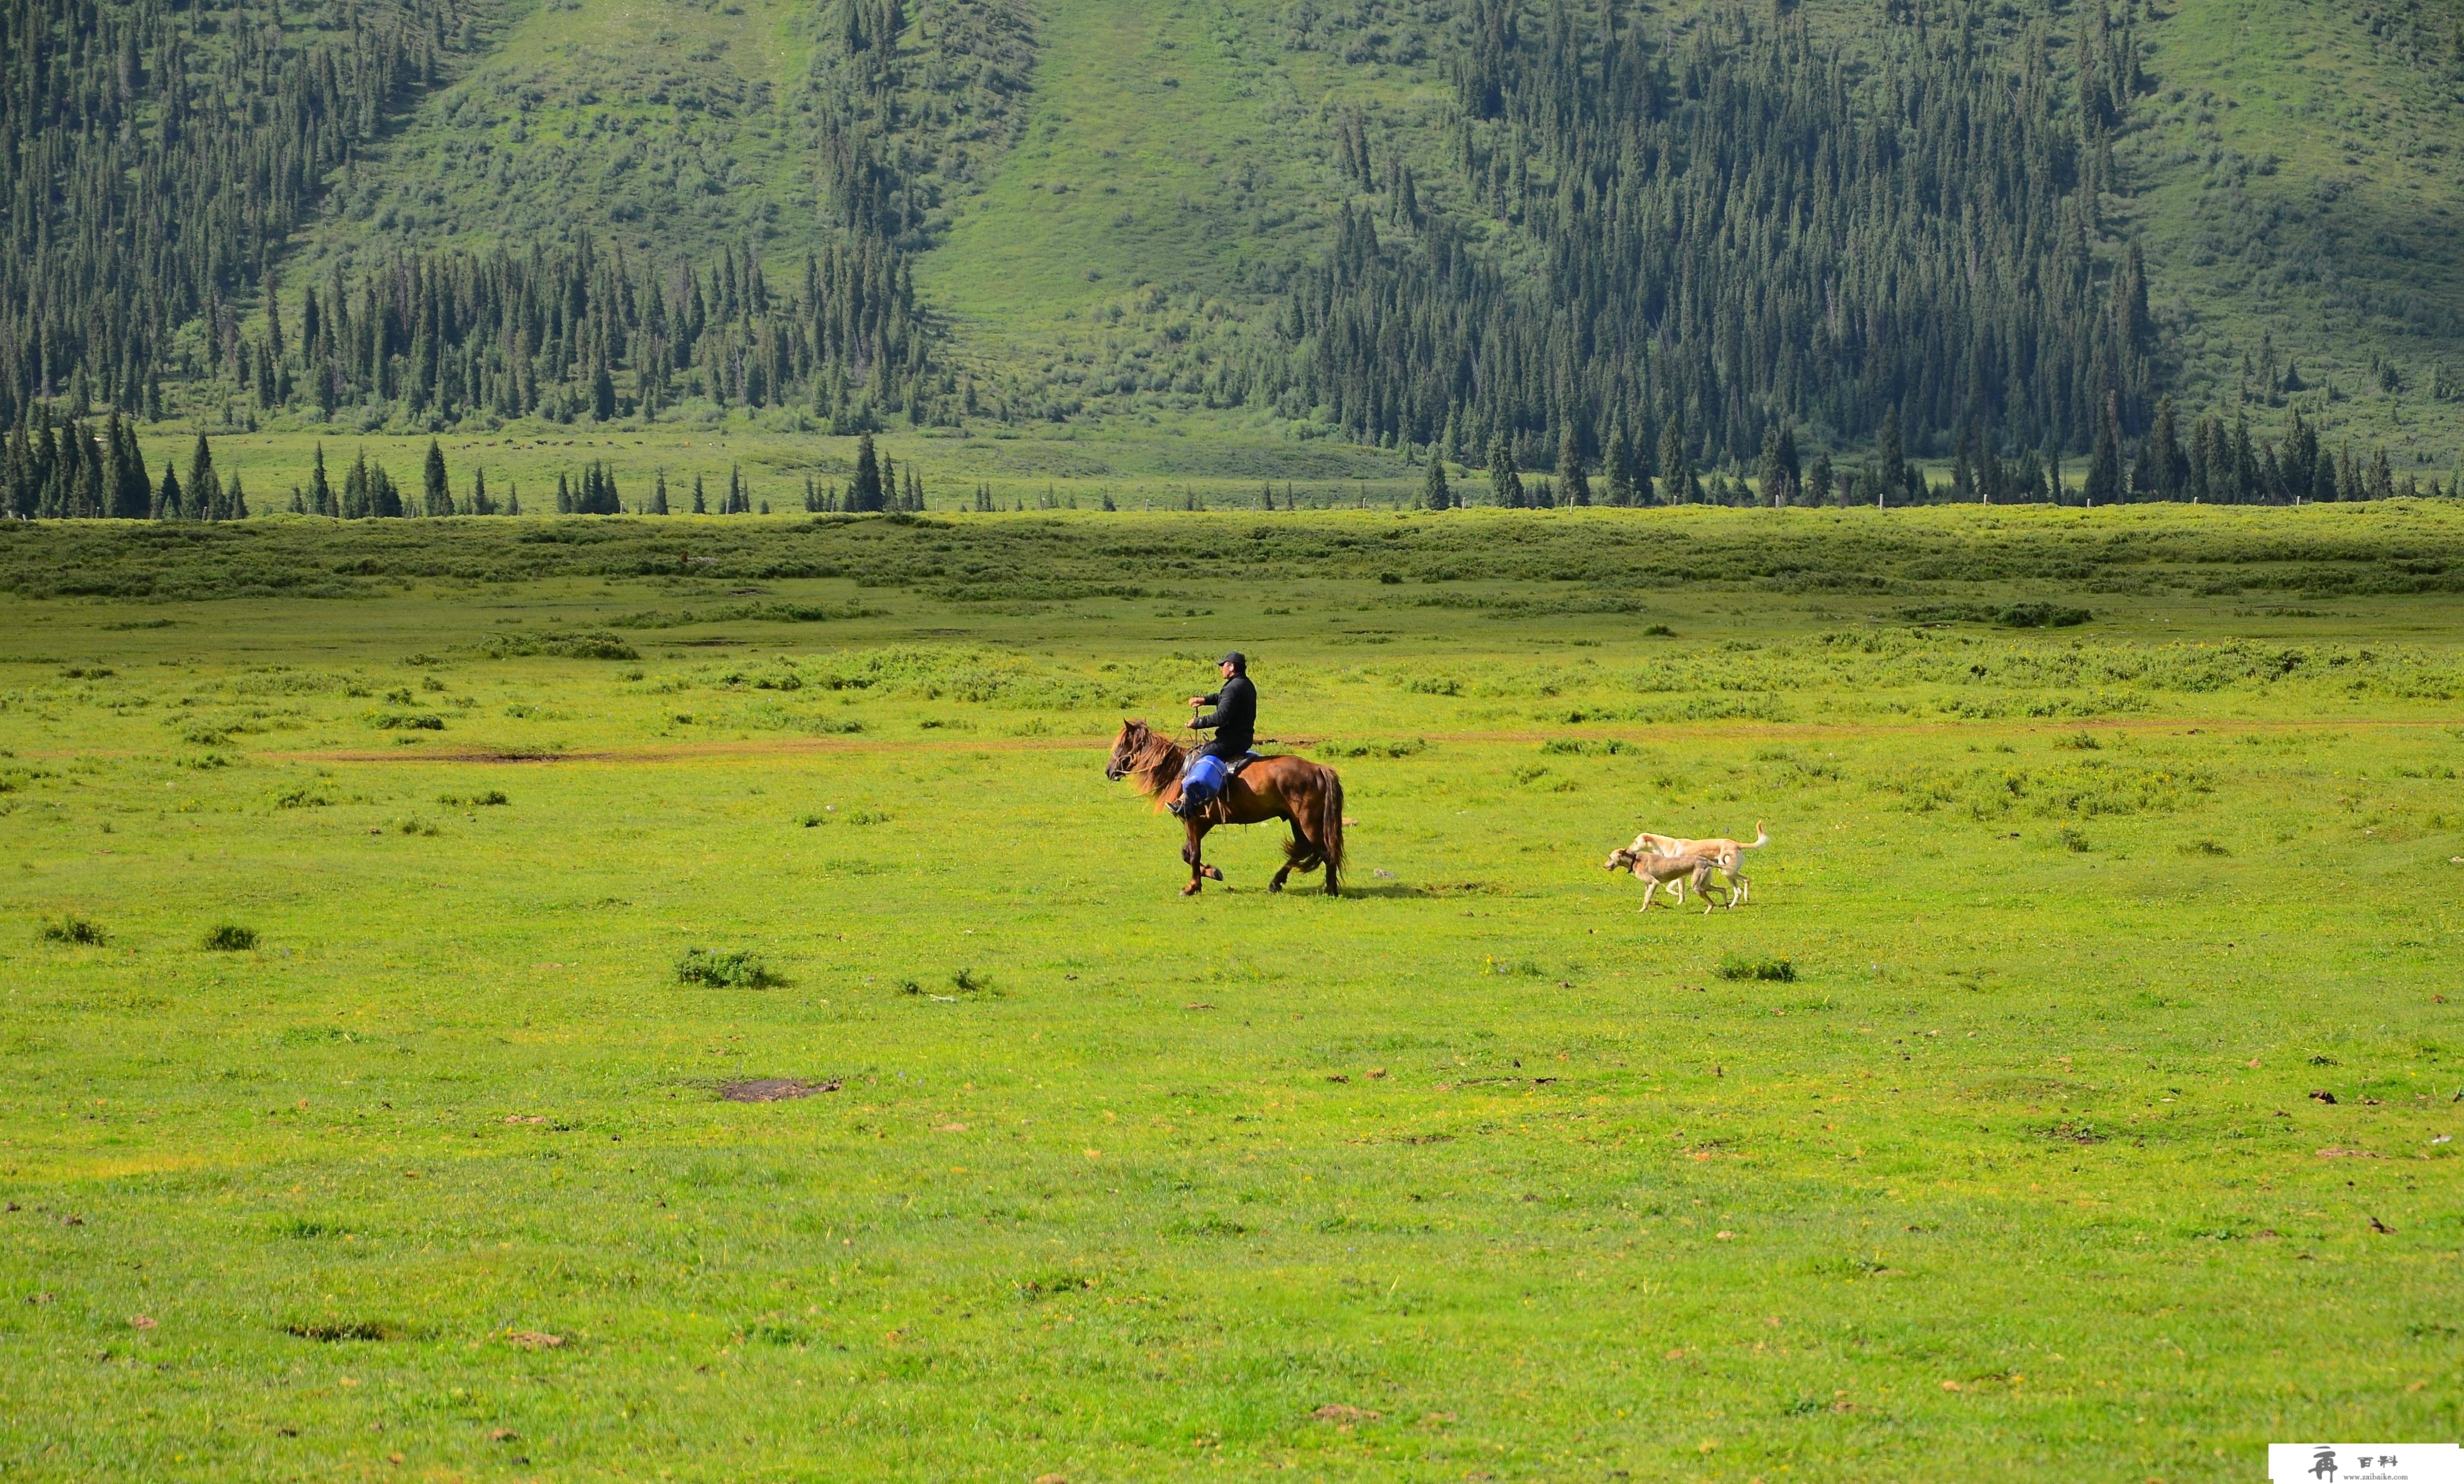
<point x="153" y="157"/>
<point x="580" y="332"/>
<point x="1740" y="231"/>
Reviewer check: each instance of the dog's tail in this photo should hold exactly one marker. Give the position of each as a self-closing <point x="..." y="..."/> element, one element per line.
<point x="1760" y="838"/>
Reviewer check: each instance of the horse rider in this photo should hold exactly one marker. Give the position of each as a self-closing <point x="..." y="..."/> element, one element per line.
<point x="1234" y="721"/>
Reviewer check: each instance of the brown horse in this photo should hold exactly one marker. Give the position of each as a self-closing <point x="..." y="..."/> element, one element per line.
<point x="1305" y="794"/>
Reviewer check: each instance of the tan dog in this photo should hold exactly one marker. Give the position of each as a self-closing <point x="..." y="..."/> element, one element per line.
<point x="1730" y="854"/>
<point x="1653" y="870"/>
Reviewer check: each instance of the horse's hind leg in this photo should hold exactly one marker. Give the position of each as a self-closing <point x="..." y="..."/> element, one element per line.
<point x="1294" y="854"/>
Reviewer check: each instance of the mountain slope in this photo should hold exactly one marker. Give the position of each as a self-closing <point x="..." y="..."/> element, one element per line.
<point x="1541" y="228"/>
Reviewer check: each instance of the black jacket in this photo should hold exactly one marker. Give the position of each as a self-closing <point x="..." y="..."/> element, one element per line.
<point x="1234" y="721"/>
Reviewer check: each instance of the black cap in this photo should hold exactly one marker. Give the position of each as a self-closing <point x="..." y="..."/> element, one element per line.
<point x="1237" y="660"/>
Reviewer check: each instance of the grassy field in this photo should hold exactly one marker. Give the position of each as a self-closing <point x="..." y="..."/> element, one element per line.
<point x="2093" y="1123"/>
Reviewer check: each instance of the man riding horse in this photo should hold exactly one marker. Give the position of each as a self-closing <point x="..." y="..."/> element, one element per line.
<point x="1200" y="787"/>
<point x="1234" y="722"/>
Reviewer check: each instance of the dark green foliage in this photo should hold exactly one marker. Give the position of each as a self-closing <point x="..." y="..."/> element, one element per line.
<point x="1741" y="227"/>
<point x="153" y="156"/>
<point x="1738" y="966"/>
<point x="436" y="496"/>
<point x="70" y="928"/>
<point x="229" y="938"/>
<point x="865" y="491"/>
<point x="2015" y="616"/>
<point x="564" y="646"/>
<point x="734" y="969"/>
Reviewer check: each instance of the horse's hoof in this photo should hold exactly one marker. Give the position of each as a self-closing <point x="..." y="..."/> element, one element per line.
<point x="1191" y="890"/>
<point x="1210" y="872"/>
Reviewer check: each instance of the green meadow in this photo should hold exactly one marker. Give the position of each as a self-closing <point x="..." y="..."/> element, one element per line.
<point x="614" y="998"/>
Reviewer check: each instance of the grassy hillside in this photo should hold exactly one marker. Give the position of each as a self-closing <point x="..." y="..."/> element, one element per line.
<point x="652" y="123"/>
<point x="2299" y="191"/>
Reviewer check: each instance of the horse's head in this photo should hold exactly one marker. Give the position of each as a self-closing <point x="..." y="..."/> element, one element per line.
<point x="1126" y="747"/>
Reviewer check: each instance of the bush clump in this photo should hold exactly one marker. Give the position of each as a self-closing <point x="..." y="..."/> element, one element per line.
<point x="70" y="928"/>
<point x="2010" y="615"/>
<point x="230" y="937"/>
<point x="560" y="646"/>
<point x="1738" y="966"/>
<point x="734" y="969"/>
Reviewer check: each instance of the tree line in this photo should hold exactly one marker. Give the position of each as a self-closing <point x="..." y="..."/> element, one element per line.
<point x="583" y="332"/>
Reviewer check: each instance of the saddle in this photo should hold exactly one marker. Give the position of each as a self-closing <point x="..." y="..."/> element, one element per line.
<point x="1208" y="776"/>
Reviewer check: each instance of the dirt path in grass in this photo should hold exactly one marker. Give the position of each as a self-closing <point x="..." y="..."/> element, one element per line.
<point x="766" y="746"/>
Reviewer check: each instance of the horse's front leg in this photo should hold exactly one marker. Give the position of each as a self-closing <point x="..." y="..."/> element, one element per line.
<point x="1199" y="869"/>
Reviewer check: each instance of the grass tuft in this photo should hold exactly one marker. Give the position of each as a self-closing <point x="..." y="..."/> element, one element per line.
<point x="229" y="938"/>
<point x="734" y="969"/>
<point x="70" y="928"/>
<point x="1738" y="966"/>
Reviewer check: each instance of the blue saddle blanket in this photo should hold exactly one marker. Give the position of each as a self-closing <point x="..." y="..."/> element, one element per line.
<point x="1203" y="780"/>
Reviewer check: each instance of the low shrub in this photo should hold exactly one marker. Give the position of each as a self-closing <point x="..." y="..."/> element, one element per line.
<point x="2040" y="615"/>
<point x="301" y="798"/>
<point x="489" y="799"/>
<point x="559" y="646"/>
<point x="734" y="969"/>
<point x="229" y="938"/>
<point x="1372" y="749"/>
<point x="70" y="928"/>
<point x="1738" y="966"/>
<point x="407" y="721"/>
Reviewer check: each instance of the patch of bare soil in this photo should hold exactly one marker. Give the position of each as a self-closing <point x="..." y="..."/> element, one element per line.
<point x="773" y="1089"/>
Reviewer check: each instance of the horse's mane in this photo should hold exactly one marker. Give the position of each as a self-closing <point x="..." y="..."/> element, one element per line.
<point x="1156" y="765"/>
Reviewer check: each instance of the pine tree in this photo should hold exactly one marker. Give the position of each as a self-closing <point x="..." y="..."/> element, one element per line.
<point x="700" y="505"/>
<point x="1768" y="471"/>
<point x="1620" y="453"/>
<point x="1819" y="480"/>
<point x="1676" y="472"/>
<point x="320" y="493"/>
<point x="2103" y="485"/>
<point x="1434" y="492"/>
<point x="1505" y="483"/>
<point x="236" y="500"/>
<point x="205" y="492"/>
<point x="1570" y="469"/>
<point x="169" y="500"/>
<point x="659" y="493"/>
<point x="865" y="493"/>
<point x="1890" y="460"/>
<point x="436" y="496"/>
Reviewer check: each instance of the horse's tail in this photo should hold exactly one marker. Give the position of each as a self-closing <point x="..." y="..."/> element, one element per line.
<point x="1330" y="829"/>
